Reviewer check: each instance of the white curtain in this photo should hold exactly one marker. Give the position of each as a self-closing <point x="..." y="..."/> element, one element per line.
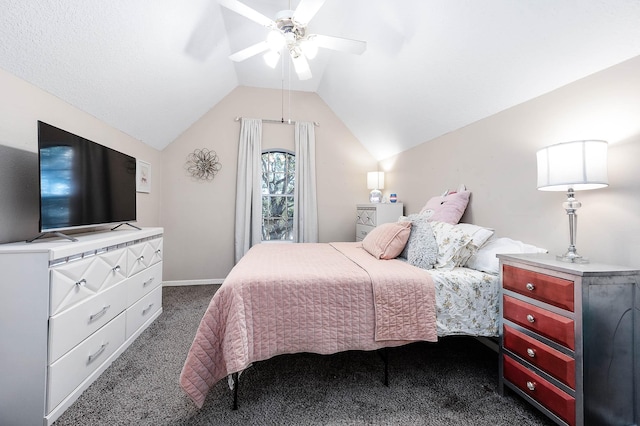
<point x="305" y="212"/>
<point x="248" y="187"/>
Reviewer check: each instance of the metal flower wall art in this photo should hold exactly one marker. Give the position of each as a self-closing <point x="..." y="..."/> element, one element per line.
<point x="203" y="164"/>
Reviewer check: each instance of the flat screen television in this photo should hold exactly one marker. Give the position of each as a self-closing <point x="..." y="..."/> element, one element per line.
<point x="83" y="183"/>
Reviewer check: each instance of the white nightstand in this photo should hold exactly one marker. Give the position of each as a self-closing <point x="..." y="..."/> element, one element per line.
<point x="371" y="215"/>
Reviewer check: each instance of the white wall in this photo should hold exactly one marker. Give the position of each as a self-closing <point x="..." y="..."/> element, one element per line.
<point x="21" y="106"/>
<point x="199" y="216"/>
<point x="496" y="159"/>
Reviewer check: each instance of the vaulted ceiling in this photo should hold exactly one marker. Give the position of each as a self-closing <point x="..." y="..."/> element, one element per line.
<point x="151" y="68"/>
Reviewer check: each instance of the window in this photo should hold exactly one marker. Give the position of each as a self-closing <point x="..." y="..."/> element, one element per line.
<point x="278" y="183"/>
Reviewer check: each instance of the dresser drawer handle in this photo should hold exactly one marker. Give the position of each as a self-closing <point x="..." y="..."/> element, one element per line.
<point x="99" y="314"/>
<point x="531" y="352"/>
<point x="531" y="318"/>
<point x="147" y="282"/>
<point x="530" y="287"/>
<point x="97" y="354"/>
<point x="140" y="258"/>
<point x="116" y="268"/>
<point x="147" y="309"/>
<point x="158" y="251"/>
<point x="531" y="386"/>
<point x="82" y="282"/>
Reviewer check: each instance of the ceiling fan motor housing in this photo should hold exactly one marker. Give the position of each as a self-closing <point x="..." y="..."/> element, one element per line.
<point x="292" y="30"/>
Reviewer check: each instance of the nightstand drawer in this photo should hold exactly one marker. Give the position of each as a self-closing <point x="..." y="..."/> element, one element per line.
<point x="557" y="401"/>
<point x="362" y="231"/>
<point x="366" y="216"/>
<point x="555" y="363"/>
<point x="552" y="326"/>
<point x="545" y="288"/>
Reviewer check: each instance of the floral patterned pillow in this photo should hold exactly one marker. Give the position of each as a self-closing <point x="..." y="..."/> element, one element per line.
<point x="454" y="246"/>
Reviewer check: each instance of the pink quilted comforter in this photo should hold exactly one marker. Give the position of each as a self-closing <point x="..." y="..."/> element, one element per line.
<point x="320" y="298"/>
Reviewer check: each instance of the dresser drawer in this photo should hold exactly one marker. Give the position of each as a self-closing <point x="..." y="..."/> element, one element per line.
<point x="548" y="324"/>
<point x="552" y="290"/>
<point x="76" y="365"/>
<point x="72" y="326"/>
<point x="553" y="362"/>
<point x="143" y="255"/>
<point x="142" y="310"/>
<point x="366" y="216"/>
<point x="77" y="280"/>
<point x="557" y="401"/>
<point x="362" y="231"/>
<point x="143" y="282"/>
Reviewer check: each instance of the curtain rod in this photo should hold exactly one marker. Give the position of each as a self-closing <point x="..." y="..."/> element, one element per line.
<point x="281" y="121"/>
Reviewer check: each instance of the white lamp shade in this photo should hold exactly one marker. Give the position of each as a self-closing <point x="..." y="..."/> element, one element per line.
<point x="375" y="180"/>
<point x="576" y="165"/>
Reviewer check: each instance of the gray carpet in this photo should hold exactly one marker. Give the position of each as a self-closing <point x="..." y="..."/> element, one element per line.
<point x="452" y="382"/>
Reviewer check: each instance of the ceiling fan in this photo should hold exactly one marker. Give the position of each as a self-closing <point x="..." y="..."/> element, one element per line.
<point x="289" y="30"/>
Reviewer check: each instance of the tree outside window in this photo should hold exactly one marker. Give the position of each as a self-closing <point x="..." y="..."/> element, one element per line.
<point x="278" y="182"/>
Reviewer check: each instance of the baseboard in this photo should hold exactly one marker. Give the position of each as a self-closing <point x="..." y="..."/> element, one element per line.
<point x="178" y="283"/>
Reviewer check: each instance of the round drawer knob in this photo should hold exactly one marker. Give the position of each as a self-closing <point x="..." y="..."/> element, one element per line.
<point x="530" y="287"/>
<point x="531" y="386"/>
<point x="531" y="318"/>
<point x="531" y="352"/>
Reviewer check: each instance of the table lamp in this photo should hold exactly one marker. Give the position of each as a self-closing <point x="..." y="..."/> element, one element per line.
<point x="375" y="182"/>
<point x="573" y="166"/>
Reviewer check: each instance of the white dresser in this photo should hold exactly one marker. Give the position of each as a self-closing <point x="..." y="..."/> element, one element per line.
<point x="68" y="309"/>
<point x="368" y="216"/>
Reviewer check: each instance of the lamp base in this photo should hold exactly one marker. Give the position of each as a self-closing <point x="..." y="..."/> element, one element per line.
<point x="572" y="257"/>
<point x="375" y="196"/>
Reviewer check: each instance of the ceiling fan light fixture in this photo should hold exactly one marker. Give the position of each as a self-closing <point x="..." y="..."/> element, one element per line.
<point x="309" y="48"/>
<point x="276" y="40"/>
<point x="289" y="30"/>
<point x="271" y="58"/>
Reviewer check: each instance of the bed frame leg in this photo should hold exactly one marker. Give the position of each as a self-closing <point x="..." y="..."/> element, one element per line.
<point x="236" y="383"/>
<point x="384" y="354"/>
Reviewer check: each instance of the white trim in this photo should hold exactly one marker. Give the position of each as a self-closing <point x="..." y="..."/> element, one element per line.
<point x="178" y="283"/>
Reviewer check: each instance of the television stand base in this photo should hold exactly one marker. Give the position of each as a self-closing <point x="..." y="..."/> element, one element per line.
<point x="126" y="223"/>
<point x="57" y="234"/>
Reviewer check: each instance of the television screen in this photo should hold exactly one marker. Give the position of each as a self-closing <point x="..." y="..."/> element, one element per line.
<point x="83" y="183"/>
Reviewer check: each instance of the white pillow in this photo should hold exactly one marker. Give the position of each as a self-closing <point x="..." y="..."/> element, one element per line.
<point x="485" y="259"/>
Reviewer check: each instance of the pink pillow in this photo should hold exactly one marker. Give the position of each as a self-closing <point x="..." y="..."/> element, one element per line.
<point x="387" y="240"/>
<point x="448" y="208"/>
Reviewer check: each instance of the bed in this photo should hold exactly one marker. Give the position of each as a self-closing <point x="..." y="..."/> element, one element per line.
<point x="332" y="297"/>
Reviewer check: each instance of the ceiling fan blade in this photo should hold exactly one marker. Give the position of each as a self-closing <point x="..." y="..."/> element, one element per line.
<point x="306" y="10"/>
<point x="302" y="67"/>
<point x="247" y="12"/>
<point x="250" y="51"/>
<point x="337" y="43"/>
